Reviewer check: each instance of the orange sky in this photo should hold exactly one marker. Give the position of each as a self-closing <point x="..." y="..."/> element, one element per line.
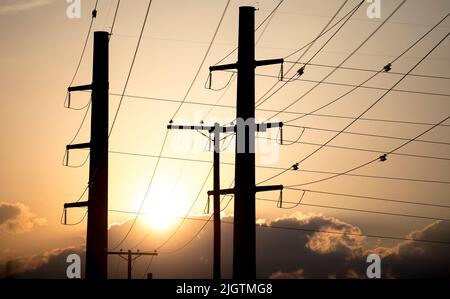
<point x="41" y="46"/>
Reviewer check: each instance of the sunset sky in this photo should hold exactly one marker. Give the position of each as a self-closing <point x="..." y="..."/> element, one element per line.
<point x="40" y="50"/>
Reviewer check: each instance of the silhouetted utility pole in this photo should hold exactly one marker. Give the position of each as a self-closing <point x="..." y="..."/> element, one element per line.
<point x="244" y="259"/>
<point x="97" y="226"/>
<point x="216" y="130"/>
<point x="130" y="258"/>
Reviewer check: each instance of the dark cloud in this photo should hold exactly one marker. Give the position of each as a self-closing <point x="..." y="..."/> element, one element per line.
<point x="419" y="259"/>
<point x="50" y="264"/>
<point x="280" y="253"/>
<point x="16" y="218"/>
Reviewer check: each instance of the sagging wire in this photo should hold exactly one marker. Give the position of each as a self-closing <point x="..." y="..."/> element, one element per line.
<point x="63" y="219"/>
<point x="67" y="101"/>
<point x="208" y="82"/>
<point x="65" y="161"/>
<point x="280" y="201"/>
<point x="292" y="142"/>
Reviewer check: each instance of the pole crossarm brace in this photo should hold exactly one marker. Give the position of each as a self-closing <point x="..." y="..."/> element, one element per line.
<point x="257" y="189"/>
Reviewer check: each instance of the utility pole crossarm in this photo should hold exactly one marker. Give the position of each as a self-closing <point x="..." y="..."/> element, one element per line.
<point x="78" y="146"/>
<point x="269" y="62"/>
<point x="223" y="67"/>
<point x="78" y="204"/>
<point x="257" y="189"/>
<point x="256" y="63"/>
<point x="132" y="253"/>
<point x="130" y="257"/>
<point x="79" y="88"/>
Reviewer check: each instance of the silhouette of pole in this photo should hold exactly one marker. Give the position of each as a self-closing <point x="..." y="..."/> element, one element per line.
<point x="97" y="223"/>
<point x="97" y="227"/>
<point x="244" y="235"/>
<point x="130" y="259"/>
<point x="244" y="261"/>
<point x="129" y="264"/>
<point x="216" y="204"/>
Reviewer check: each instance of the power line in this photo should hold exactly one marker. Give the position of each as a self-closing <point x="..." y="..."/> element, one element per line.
<point x="93" y="16"/>
<point x="131" y="66"/>
<point x="306" y="230"/>
<point x="114" y="19"/>
<point x="267" y="22"/>
<point x="365" y="164"/>
<point x="352" y="85"/>
<point x="291" y="142"/>
<point x="368" y="70"/>
<point x="384" y="69"/>
<point x="367" y="134"/>
<point x="146" y="193"/>
<point x="308" y="47"/>
<point x="268" y="18"/>
<point x="274" y="110"/>
<point x="203" y="61"/>
<point x="361" y="210"/>
<point x="281" y="168"/>
<point x="372" y="105"/>
<point x="341" y="63"/>
<point x="367" y="197"/>
<point x="181" y="103"/>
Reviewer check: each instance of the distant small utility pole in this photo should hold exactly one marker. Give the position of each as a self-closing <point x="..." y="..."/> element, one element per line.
<point x="97" y="204"/>
<point x="130" y="258"/>
<point x="244" y="235"/>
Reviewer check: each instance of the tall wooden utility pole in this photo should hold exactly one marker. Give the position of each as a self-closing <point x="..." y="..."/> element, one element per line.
<point x="97" y="226"/>
<point x="244" y="248"/>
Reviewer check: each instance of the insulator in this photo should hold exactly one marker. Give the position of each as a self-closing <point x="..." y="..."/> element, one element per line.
<point x="210" y="80"/>
<point x="67" y="158"/>
<point x="282" y="72"/>
<point x="281" y="135"/>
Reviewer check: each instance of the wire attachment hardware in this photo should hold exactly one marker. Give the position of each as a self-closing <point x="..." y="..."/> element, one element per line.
<point x="387" y="67"/>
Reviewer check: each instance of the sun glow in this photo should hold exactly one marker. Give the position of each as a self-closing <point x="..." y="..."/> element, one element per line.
<point x="162" y="213"/>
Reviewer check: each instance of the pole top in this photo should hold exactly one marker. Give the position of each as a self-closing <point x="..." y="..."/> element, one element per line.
<point x="247" y="8"/>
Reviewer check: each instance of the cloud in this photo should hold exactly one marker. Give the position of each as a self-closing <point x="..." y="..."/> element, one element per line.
<point x="419" y="259"/>
<point x="282" y="254"/>
<point x="16" y="218"/>
<point x="16" y="6"/>
<point x="333" y="256"/>
<point x="50" y="264"/>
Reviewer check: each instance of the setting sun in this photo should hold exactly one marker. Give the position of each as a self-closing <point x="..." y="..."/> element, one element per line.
<point x="162" y="211"/>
